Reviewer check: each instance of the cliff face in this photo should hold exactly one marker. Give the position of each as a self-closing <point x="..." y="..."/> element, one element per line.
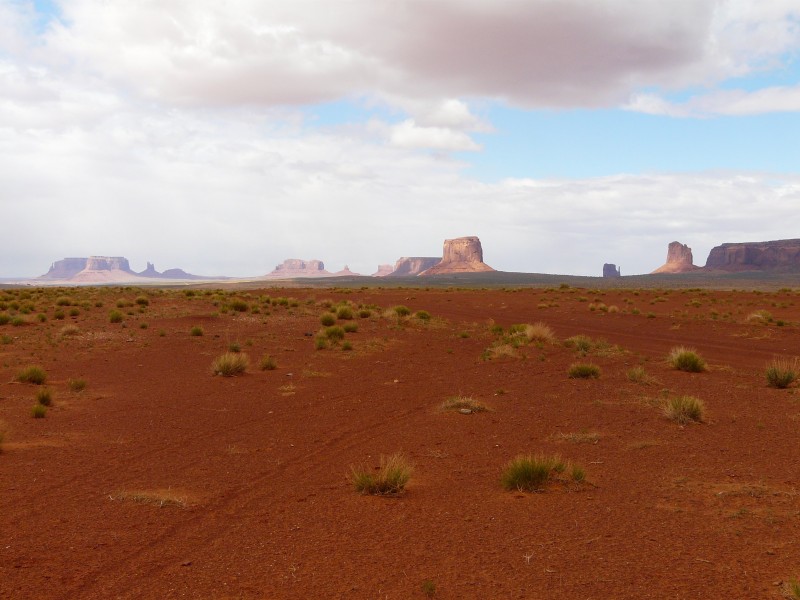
<point x="295" y="267"/>
<point x="756" y="256"/>
<point x="461" y="255"/>
<point x="409" y="266"/>
<point x="383" y="271"/>
<point x="108" y="263"/>
<point x="611" y="270"/>
<point x="65" y="268"/>
<point x="679" y="260"/>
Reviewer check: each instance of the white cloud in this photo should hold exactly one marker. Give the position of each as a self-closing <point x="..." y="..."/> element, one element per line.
<point x="410" y="135"/>
<point x="727" y="102"/>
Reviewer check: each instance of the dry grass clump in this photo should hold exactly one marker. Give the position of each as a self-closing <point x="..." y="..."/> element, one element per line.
<point x="327" y="319"/>
<point x="69" y="330"/>
<point x="268" y="363"/>
<point x="38" y="411"/>
<point x="230" y="364"/>
<point x="639" y="375"/>
<point x="44" y="396"/>
<point x="536" y="332"/>
<point x="500" y="351"/>
<point x="759" y="316"/>
<point x="686" y="359"/>
<point x="196" y="331"/>
<point x="685" y="409"/>
<point x="76" y="385"/>
<point x="32" y="374"/>
<point x="532" y="472"/>
<point x="390" y="478"/>
<point x="463" y="403"/>
<point x="791" y="589"/>
<point x="583" y="371"/>
<point x="782" y="372"/>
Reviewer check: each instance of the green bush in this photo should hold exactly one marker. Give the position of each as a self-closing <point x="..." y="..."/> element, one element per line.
<point x="44" y="396"/>
<point x="685" y="409"/>
<point x="686" y="359"/>
<point x="391" y="477"/>
<point x="115" y="316"/>
<point x="77" y="385"/>
<point x="402" y="311"/>
<point x="350" y="327"/>
<point x="781" y="373"/>
<point x="364" y="313"/>
<point x="32" y="374"/>
<point x="584" y="371"/>
<point x="239" y="305"/>
<point x="4" y="318"/>
<point x="423" y="315"/>
<point x="230" y="364"/>
<point x="334" y="333"/>
<point x="532" y="472"/>
<point x="142" y="301"/>
<point x="327" y="319"/>
<point x="196" y="331"/>
<point x="345" y="313"/>
<point x="38" y="411"/>
<point x="268" y="363"/>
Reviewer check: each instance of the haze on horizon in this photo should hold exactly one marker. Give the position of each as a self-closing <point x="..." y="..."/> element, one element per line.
<point x="223" y="138"/>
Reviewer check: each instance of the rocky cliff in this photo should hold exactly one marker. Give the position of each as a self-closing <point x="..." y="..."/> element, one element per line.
<point x="611" y="270"/>
<point x="409" y="266"/>
<point x="679" y="259"/>
<point x="756" y="256"/>
<point x="65" y="268"/>
<point x="107" y="269"/>
<point x="295" y="267"/>
<point x="461" y="255"/>
<point x="383" y="271"/>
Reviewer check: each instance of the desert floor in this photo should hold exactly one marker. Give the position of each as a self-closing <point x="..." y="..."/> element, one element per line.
<point x="161" y="480"/>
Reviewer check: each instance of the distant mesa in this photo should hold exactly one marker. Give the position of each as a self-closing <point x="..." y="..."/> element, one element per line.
<point x="756" y="256"/>
<point x="461" y="255"/>
<point x="410" y="266"/>
<point x="679" y="260"/>
<point x="107" y="269"/>
<point x="383" y="271"/>
<point x="346" y="272"/>
<point x="611" y="270"/>
<point x="294" y="268"/>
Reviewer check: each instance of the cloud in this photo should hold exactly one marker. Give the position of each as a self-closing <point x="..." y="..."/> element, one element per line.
<point x="774" y="99"/>
<point x="410" y="135"/>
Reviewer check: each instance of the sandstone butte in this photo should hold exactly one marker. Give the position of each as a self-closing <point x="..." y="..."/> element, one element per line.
<point x="383" y="271"/>
<point x="755" y="256"/>
<point x="409" y="266"/>
<point x="106" y="269"/>
<point x="460" y="255"/>
<point x="293" y="268"/>
<point x="679" y="260"/>
<point x="611" y="270"/>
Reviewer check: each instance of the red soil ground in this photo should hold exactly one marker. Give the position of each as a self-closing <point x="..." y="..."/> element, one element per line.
<point x="160" y="480"/>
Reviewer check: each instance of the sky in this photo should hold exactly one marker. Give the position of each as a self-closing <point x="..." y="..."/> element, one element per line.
<point x="223" y="137"/>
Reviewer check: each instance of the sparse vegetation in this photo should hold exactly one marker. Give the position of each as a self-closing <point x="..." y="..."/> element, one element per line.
<point x="327" y="319"/>
<point x="115" y="316"/>
<point x="423" y="315"/>
<point x="76" y="385"/>
<point x="402" y="311"/>
<point x="350" y="327"/>
<point x="686" y="359"/>
<point x="532" y="472"/>
<point x="685" y="409"/>
<point x="196" y="331"/>
<point x="639" y="375"/>
<point x="792" y="589"/>
<point x="230" y="364"/>
<point x="268" y="363"/>
<point x="345" y="313"/>
<point x="44" y="396"/>
<point x="429" y="588"/>
<point x="69" y="330"/>
<point x="782" y="372"/>
<point x="32" y="374"/>
<point x="334" y="333"/>
<point x="390" y="478"/>
<point x="38" y="411"/>
<point x="583" y="371"/>
<point x="463" y="403"/>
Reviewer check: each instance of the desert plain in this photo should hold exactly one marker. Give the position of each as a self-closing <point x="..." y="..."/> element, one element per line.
<point x="151" y="477"/>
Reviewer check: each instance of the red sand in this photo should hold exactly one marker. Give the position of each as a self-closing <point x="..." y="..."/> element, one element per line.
<point x="253" y="470"/>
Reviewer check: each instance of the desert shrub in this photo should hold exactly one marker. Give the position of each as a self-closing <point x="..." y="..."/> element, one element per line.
<point x="423" y="315"/>
<point x="463" y="403"/>
<point x="759" y="316"/>
<point x="74" y="312"/>
<point x="334" y="333"/>
<point x="429" y="588"/>
<point x="345" y="313"/>
<point x="196" y="331"/>
<point x="69" y="330"/>
<point x="18" y="321"/>
<point x="63" y="301"/>
<point x="115" y="316"/>
<point x="142" y="301"/>
<point x="402" y="311"/>
<point x="268" y="363"/>
<point x="583" y="371"/>
<point x="639" y="375"/>
<point x="234" y="347"/>
<point x="59" y="315"/>
<point x="391" y="477"/>
<point x="782" y="372"/>
<point x="38" y="411"/>
<point x="685" y="409"/>
<point x="321" y="342"/>
<point x="350" y="327"/>
<point x="538" y="332"/>
<point x="76" y="385"/>
<point x="6" y="339"/>
<point x="44" y="396"/>
<point x="364" y="313"/>
<point x="32" y="374"/>
<point x="347" y="346"/>
<point x="792" y="589"/>
<point x="4" y="318"/>
<point x="327" y="319"/>
<point x="686" y="359"/>
<point x="531" y="473"/>
<point x="239" y="305"/>
<point x="230" y="364"/>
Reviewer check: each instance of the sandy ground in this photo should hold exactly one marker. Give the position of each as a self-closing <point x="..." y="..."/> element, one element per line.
<point x="160" y="480"/>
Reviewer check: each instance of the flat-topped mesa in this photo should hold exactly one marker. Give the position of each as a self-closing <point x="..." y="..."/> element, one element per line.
<point x="108" y="263"/>
<point x="679" y="260"/>
<point x="611" y="270"/>
<point x="383" y="271"/>
<point x="65" y="268"/>
<point x="756" y="256"/>
<point x="461" y="255"/>
<point x="295" y="267"/>
<point x="410" y="266"/>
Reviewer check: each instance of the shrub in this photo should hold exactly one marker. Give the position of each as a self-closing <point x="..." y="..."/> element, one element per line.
<point x="4" y="318"/>
<point x="423" y="315"/>
<point x="268" y="363"/>
<point x="18" y="321"/>
<point x="584" y="371"/>
<point x="239" y="305"/>
<point x="402" y="311"/>
<point x="68" y="330"/>
<point x="32" y="374"/>
<point x="334" y="333"/>
<point x="345" y="313"/>
<point x="327" y="319"/>
<point x="142" y="301"/>
<point x="234" y="347"/>
<point x="759" y="316"/>
<point x="115" y="316"/>
<point x="321" y="342"/>
<point x="38" y="411"/>
<point x="639" y="375"/>
<point x="59" y="315"/>
<point x="463" y="403"/>
<point x="230" y="364"/>
<point x="531" y="473"/>
<point x="792" y="589"/>
<point x="686" y="359"/>
<point x="44" y="396"/>
<point x="347" y="346"/>
<point x="74" y="312"/>
<point x="63" y="301"/>
<point x="350" y="327"/>
<point x="364" y="313"/>
<point x="41" y="317"/>
<point x="538" y="332"/>
<point x="196" y="331"/>
<point x="782" y="372"/>
<point x="685" y="409"/>
<point x="391" y="477"/>
<point x="582" y="343"/>
<point x="77" y="385"/>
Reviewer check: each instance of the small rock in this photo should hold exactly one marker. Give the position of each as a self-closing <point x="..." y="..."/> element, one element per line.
<point x="465" y="411"/>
